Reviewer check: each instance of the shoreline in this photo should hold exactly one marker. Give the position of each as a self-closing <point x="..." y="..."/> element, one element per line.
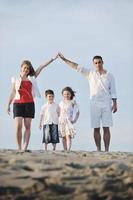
<point x="80" y="150"/>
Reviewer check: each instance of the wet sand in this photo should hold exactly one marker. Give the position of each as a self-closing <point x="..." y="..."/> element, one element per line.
<point x="59" y="175"/>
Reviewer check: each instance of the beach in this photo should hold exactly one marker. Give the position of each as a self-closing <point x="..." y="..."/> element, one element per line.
<point x="59" y="175"/>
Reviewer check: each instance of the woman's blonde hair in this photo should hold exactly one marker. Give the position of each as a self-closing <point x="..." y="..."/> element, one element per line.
<point x="31" y="69"/>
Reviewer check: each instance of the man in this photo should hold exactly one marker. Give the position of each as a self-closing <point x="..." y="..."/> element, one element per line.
<point x="103" y="100"/>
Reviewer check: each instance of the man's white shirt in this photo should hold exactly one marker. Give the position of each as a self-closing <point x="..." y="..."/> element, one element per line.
<point x="102" y="87"/>
<point x="102" y="90"/>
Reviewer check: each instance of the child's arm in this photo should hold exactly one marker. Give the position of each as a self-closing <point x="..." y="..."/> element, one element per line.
<point x="40" y="122"/>
<point x="75" y="112"/>
<point x="42" y="66"/>
<point x="76" y="117"/>
<point x="41" y="117"/>
<point x="11" y="97"/>
<point x="58" y="111"/>
<point x="70" y="63"/>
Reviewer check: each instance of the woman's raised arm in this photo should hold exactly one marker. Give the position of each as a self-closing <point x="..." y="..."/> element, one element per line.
<point x="42" y="66"/>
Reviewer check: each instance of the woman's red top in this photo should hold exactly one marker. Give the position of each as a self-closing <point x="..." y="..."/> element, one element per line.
<point x="25" y="92"/>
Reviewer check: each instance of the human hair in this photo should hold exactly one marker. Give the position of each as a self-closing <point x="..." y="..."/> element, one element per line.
<point x="31" y="69"/>
<point x="69" y="89"/>
<point x="47" y="92"/>
<point x="97" y="57"/>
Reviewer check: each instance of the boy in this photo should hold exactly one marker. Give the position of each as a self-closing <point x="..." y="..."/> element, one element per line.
<point x="49" y="121"/>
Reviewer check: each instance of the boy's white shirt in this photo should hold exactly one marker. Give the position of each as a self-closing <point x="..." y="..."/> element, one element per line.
<point x="50" y="113"/>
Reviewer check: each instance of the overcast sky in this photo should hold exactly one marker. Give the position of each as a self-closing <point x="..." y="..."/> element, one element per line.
<point x="37" y="30"/>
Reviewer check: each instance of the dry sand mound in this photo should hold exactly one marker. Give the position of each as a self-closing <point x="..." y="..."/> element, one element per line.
<point x="40" y="175"/>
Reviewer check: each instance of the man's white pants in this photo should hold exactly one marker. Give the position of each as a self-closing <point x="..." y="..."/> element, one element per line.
<point x="101" y="114"/>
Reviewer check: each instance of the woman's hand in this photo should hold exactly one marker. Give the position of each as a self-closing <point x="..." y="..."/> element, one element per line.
<point x="61" y="55"/>
<point x="42" y="66"/>
<point x="55" y="57"/>
<point x="8" y="110"/>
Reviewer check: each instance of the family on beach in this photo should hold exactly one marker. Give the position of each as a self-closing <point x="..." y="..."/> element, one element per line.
<point x="57" y="120"/>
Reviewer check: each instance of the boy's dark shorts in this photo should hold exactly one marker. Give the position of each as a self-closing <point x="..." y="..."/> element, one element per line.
<point x="50" y="134"/>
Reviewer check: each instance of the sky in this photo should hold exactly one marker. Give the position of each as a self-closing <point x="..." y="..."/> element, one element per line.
<point x="37" y="30"/>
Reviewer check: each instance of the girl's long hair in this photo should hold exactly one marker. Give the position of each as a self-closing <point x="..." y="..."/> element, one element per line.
<point x="69" y="89"/>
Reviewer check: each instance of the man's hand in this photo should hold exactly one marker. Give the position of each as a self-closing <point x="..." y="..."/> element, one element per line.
<point x="61" y="55"/>
<point x="40" y="126"/>
<point x="69" y="62"/>
<point x="73" y="122"/>
<point x="114" y="107"/>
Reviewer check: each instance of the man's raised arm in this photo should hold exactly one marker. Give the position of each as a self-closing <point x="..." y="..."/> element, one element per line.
<point x="70" y="63"/>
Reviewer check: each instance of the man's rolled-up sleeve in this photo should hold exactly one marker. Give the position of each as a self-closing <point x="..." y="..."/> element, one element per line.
<point x="83" y="70"/>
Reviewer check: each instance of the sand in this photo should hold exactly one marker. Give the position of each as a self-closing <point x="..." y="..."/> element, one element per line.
<point x="75" y="175"/>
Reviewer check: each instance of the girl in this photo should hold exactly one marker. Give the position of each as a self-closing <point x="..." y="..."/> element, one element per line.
<point x="69" y="114"/>
<point x="24" y="89"/>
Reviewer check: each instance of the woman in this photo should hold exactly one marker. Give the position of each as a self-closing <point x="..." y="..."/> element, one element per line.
<point x="24" y="89"/>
